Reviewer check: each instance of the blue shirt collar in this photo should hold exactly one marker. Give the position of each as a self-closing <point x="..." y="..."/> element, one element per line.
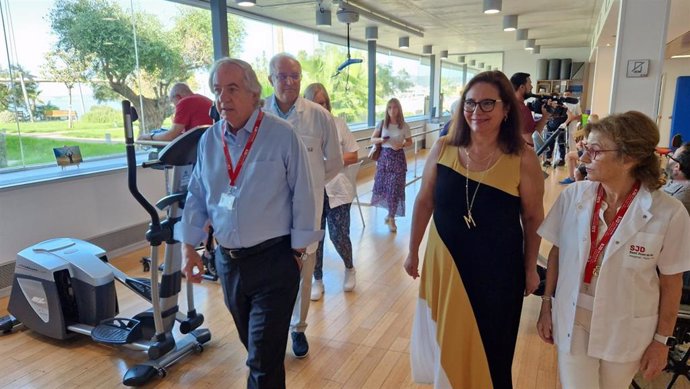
<point x="279" y="112"/>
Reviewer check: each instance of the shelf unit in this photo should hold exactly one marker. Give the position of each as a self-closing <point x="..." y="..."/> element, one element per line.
<point x="550" y="87"/>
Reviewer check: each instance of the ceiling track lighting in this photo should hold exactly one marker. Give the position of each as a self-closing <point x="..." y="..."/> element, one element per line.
<point x="444" y="53"/>
<point x="371" y="33"/>
<point x="510" y="22"/>
<point x="426" y="49"/>
<point x="461" y="59"/>
<point x="472" y="62"/>
<point x="492" y="6"/>
<point x="323" y="16"/>
<point x="404" y="42"/>
<point x="521" y="34"/>
<point x="536" y="49"/>
<point x="246" y="3"/>
<point x="529" y="44"/>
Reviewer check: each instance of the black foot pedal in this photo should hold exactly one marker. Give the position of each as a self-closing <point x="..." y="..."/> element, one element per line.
<point x="117" y="331"/>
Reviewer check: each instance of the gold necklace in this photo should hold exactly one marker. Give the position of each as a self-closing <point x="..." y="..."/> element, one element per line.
<point x="469" y="220"/>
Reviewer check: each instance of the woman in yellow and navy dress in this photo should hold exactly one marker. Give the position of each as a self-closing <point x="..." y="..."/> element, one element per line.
<point x="485" y="189"/>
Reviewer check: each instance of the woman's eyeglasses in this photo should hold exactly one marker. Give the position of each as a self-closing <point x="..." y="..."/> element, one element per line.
<point x="594" y="152"/>
<point x="486" y="105"/>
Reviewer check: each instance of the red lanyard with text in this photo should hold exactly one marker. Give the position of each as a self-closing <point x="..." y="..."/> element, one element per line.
<point x="233" y="174"/>
<point x="595" y="249"/>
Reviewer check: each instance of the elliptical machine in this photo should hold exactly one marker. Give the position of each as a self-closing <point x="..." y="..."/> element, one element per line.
<point x="66" y="286"/>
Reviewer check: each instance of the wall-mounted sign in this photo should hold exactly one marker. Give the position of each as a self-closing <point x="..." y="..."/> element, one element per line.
<point x="638" y="67"/>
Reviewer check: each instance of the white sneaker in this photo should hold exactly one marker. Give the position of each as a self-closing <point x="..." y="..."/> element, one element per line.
<point x="316" y="290"/>
<point x="350" y="280"/>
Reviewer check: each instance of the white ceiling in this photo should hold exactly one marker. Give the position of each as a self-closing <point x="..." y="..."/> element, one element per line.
<point x="460" y="26"/>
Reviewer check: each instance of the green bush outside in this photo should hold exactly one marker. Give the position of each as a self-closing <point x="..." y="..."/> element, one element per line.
<point x="103" y="114"/>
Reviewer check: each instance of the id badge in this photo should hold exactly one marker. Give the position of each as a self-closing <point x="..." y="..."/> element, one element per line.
<point x="227" y="199"/>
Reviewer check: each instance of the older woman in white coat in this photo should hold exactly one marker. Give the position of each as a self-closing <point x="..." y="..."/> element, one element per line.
<point x="614" y="275"/>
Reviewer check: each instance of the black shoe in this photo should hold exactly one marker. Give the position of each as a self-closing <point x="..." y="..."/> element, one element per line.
<point x="546" y="164"/>
<point x="560" y="162"/>
<point x="300" y="346"/>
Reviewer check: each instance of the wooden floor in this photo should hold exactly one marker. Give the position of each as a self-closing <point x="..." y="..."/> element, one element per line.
<point x="357" y="340"/>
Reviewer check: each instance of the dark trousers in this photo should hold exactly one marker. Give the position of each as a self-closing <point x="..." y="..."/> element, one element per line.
<point x="260" y="292"/>
<point x="339" y="231"/>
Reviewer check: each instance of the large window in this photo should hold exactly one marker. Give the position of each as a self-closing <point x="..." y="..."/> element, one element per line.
<point x="451" y="84"/>
<point x="404" y="78"/>
<point x="71" y="62"/>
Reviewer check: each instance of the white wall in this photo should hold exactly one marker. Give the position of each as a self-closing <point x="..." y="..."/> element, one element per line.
<point x="600" y="99"/>
<point x="84" y="208"/>
<point x="673" y="68"/>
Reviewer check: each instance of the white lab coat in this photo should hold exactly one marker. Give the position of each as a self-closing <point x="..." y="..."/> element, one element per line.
<point x="316" y="128"/>
<point x="654" y="233"/>
<point x="340" y="190"/>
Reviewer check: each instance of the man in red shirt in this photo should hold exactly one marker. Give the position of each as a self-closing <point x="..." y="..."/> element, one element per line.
<point x="191" y="110"/>
<point x="523" y="86"/>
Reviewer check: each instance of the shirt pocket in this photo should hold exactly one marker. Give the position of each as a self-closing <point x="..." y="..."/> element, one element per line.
<point x="312" y="143"/>
<point x="643" y="250"/>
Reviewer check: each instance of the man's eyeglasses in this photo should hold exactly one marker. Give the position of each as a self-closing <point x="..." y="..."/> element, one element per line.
<point x="282" y="77"/>
<point x="486" y="105"/>
<point x="594" y="152"/>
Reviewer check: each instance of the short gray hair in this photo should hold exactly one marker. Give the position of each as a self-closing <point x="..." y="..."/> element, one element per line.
<point x="181" y="89"/>
<point x="250" y="79"/>
<point x="273" y="64"/>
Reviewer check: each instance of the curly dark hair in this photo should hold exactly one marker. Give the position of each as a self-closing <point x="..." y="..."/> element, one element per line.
<point x="509" y="139"/>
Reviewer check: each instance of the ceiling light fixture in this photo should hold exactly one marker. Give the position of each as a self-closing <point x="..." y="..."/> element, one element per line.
<point x="472" y="62"/>
<point x="480" y="65"/>
<point x="380" y="17"/>
<point x="530" y="43"/>
<point x="444" y="53"/>
<point x="492" y="6"/>
<point x="521" y="34"/>
<point x="510" y="23"/>
<point x="371" y="33"/>
<point x="461" y="59"/>
<point x="404" y="42"/>
<point x="246" y="3"/>
<point x="323" y="16"/>
<point x="426" y="49"/>
<point x="536" y="49"/>
<point x="681" y="56"/>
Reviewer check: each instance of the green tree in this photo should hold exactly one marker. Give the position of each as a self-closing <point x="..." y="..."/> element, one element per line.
<point x="67" y="68"/>
<point x="390" y="83"/>
<point x="100" y="34"/>
<point x="21" y="94"/>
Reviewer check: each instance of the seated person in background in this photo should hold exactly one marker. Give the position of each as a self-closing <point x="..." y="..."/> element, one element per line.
<point x="678" y="173"/>
<point x="453" y="108"/>
<point x="191" y="110"/>
<point x="576" y="171"/>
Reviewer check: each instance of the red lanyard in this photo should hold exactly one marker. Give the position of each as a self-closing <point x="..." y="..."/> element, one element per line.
<point x="233" y="174"/>
<point x="595" y="249"/>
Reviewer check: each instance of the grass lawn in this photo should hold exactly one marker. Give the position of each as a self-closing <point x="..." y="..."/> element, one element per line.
<point x="40" y="150"/>
<point x="79" y="129"/>
<point x="39" y="139"/>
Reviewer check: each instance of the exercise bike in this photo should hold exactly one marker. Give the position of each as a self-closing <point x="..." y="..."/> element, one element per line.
<point x="63" y="287"/>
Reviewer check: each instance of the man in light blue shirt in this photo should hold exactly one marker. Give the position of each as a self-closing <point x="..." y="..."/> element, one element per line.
<point x="315" y="126"/>
<point x="252" y="182"/>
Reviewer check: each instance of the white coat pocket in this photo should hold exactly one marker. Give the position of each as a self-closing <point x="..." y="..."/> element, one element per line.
<point x="643" y="250"/>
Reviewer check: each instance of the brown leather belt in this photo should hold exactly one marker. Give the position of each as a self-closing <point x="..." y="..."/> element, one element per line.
<point x="254" y="250"/>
